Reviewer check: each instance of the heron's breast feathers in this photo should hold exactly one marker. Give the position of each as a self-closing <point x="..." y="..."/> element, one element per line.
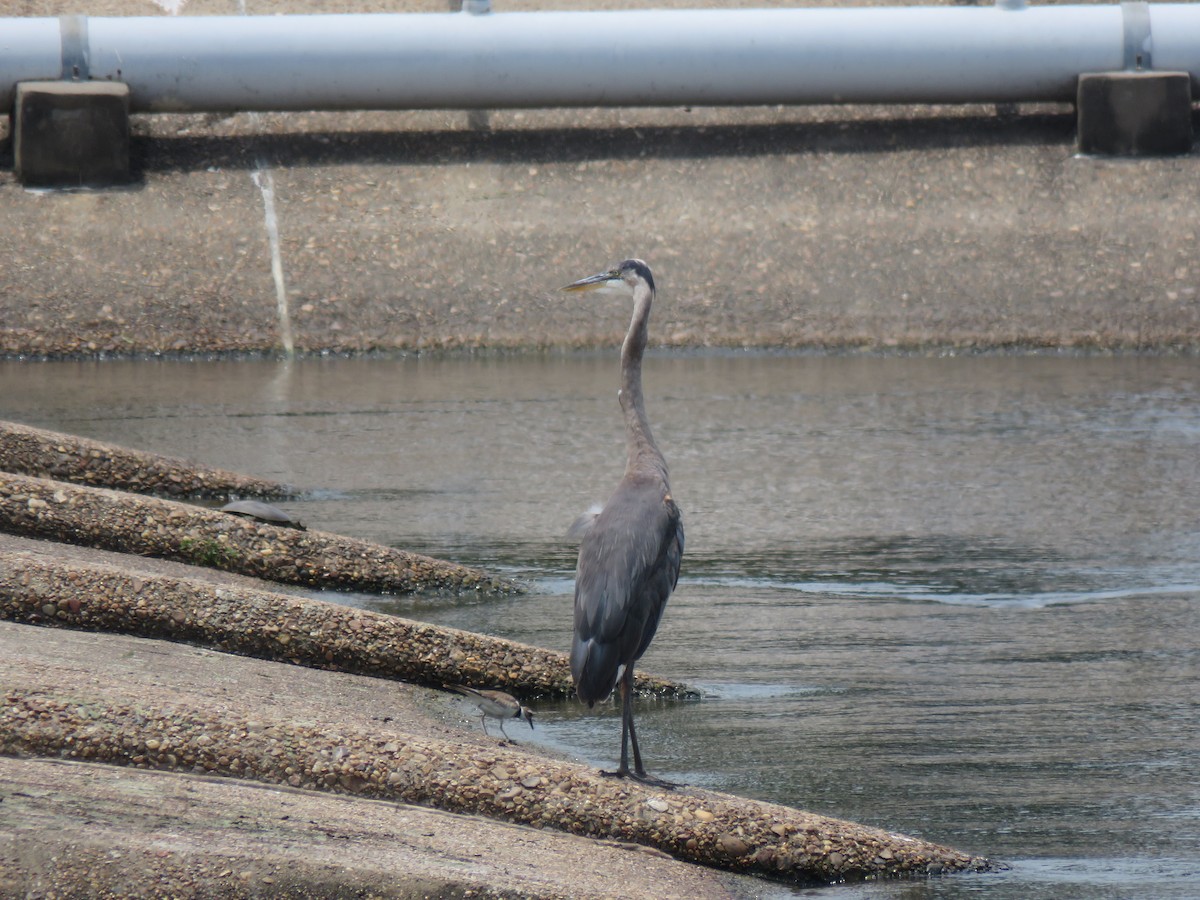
<point x="628" y="565"/>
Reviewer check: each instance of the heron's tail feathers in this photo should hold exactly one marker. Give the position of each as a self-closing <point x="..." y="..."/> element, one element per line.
<point x="594" y="667"/>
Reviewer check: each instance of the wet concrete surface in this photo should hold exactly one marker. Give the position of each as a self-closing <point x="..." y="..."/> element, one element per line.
<point x="149" y="526"/>
<point x="877" y="227"/>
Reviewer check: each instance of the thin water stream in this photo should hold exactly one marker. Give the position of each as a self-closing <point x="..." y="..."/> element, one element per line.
<point x="959" y="598"/>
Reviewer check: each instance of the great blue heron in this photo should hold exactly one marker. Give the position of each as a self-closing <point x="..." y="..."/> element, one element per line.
<point x="629" y="552"/>
<point x="495" y="704"/>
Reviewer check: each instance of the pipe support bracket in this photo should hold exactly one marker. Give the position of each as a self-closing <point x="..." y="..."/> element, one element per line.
<point x="74" y="33"/>
<point x="1139" y="42"/>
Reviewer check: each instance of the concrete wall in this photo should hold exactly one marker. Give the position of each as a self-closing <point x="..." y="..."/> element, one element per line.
<point x="798" y="227"/>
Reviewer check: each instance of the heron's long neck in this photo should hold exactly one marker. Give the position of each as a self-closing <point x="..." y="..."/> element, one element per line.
<point x="643" y="452"/>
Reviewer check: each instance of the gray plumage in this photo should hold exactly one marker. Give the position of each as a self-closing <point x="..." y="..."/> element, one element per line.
<point x="630" y="551"/>
<point x="264" y="512"/>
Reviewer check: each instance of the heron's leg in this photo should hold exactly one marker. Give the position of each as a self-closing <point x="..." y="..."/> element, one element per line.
<point x="639" y="771"/>
<point x="483" y="722"/>
<point x="502" y="731"/>
<point x="626" y="726"/>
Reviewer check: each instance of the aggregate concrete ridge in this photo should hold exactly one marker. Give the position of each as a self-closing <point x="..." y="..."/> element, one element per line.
<point x="103" y="508"/>
<point x="45" y="583"/>
<point x="915" y="229"/>
<point x="92" y="829"/>
<point x="150" y="526"/>
<point x="25" y="450"/>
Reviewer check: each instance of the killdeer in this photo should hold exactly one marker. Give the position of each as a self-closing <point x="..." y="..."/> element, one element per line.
<point x="495" y="705"/>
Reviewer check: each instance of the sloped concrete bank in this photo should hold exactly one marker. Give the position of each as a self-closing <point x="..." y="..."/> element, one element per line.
<point x="149" y="705"/>
<point x="103" y="507"/>
<point x="38" y="586"/>
<point x="151" y="526"/>
<point x="25" y="450"/>
<point x="70" y="829"/>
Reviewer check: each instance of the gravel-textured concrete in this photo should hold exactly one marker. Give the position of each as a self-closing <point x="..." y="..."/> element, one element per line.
<point x="46" y="584"/>
<point x="73" y="830"/>
<point x="168" y="706"/>
<point x="97" y="510"/>
<point x="25" y="450"/>
<point x="151" y="526"/>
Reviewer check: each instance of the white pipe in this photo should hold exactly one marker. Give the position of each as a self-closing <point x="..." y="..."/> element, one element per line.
<point x="30" y="50"/>
<point x="624" y="58"/>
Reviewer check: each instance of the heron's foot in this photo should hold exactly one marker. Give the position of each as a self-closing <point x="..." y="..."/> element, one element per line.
<point x="651" y="781"/>
<point x="642" y="778"/>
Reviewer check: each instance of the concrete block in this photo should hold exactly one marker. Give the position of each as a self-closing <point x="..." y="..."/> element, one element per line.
<point x="1135" y="113"/>
<point x="71" y="133"/>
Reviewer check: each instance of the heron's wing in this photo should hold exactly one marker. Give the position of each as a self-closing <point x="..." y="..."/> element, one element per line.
<point x="663" y="578"/>
<point x="628" y="566"/>
<point x="583" y="524"/>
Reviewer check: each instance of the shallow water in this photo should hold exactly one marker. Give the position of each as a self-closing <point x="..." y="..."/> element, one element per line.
<point x="956" y="598"/>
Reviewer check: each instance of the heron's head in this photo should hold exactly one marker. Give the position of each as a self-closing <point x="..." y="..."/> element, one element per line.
<point x="628" y="274"/>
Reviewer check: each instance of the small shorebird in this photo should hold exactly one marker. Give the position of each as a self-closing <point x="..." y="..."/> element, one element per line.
<point x="495" y="705"/>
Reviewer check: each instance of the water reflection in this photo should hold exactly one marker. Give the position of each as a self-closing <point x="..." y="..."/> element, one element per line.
<point x="954" y="597"/>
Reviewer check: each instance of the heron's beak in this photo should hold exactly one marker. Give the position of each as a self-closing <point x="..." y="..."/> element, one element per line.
<point x="594" y="282"/>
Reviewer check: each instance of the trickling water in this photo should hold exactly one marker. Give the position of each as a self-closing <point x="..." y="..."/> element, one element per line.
<point x="952" y="597"/>
<point x="266" y="185"/>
